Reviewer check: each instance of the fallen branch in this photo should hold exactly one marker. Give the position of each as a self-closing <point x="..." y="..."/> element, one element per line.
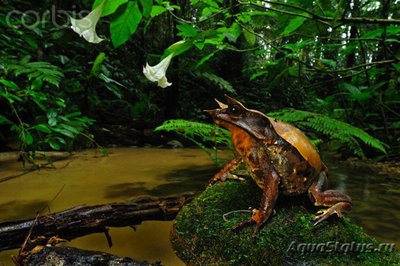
<point x="72" y="256"/>
<point x="84" y="220"/>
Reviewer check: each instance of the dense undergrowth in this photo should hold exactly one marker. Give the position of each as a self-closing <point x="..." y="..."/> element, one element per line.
<point x="59" y="92"/>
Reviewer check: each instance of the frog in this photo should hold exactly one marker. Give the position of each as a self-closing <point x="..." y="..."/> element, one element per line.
<point x="280" y="159"/>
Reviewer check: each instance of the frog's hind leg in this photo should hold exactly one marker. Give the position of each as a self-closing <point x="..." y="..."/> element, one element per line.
<point x="224" y="173"/>
<point x="270" y="194"/>
<point x="335" y="200"/>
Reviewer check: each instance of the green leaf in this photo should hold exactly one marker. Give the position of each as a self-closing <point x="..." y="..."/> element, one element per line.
<point x="4" y="120"/>
<point x="52" y="121"/>
<point x="293" y="71"/>
<point x="178" y="48"/>
<point x="328" y="62"/>
<point x="43" y="71"/>
<point x="54" y="145"/>
<point x="70" y="128"/>
<point x="28" y="138"/>
<point x="293" y="25"/>
<point x="64" y="132"/>
<point x="9" y="84"/>
<point x="157" y="10"/>
<point x="205" y="59"/>
<point x="147" y="6"/>
<point x="103" y="151"/>
<point x="363" y="96"/>
<point x="260" y="73"/>
<point x="186" y="30"/>
<point x="110" y="7"/>
<point x="210" y="3"/>
<point x="373" y="33"/>
<point x="43" y="128"/>
<point x="97" y="64"/>
<point x="125" y="24"/>
<point x="350" y="88"/>
<point x="199" y="45"/>
<point x="250" y="37"/>
<point x="231" y="33"/>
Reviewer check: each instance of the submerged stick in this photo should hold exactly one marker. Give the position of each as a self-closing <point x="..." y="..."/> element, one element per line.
<point x="47" y="255"/>
<point x="84" y="220"/>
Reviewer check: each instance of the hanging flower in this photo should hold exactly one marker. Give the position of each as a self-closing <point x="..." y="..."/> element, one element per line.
<point x="86" y="27"/>
<point x="157" y="73"/>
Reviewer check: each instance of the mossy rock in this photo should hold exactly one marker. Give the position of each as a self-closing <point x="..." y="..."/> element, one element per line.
<point x="202" y="237"/>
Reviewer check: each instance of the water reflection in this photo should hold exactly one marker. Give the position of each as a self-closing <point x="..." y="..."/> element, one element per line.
<point x="376" y="200"/>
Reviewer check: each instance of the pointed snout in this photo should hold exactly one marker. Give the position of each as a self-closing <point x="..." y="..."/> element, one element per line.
<point x="213" y="113"/>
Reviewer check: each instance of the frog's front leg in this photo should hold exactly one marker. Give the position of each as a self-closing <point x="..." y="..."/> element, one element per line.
<point x="335" y="200"/>
<point x="270" y="194"/>
<point x="225" y="172"/>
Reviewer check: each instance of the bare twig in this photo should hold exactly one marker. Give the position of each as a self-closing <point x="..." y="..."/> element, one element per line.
<point x="376" y="63"/>
<point x="346" y="20"/>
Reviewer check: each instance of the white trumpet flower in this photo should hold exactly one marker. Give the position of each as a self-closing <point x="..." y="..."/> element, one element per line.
<point x="157" y="73"/>
<point x="86" y="27"/>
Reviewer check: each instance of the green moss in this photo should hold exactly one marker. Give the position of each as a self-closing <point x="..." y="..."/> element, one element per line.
<point x="202" y="237"/>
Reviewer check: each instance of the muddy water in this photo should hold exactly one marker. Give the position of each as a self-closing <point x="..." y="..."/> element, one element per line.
<point x="88" y="178"/>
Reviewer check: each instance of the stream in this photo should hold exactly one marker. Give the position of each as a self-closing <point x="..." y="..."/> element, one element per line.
<point x="88" y="178"/>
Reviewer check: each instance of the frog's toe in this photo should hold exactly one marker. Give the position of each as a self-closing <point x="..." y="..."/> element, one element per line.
<point x="337" y="209"/>
<point x="241" y="225"/>
<point x="321" y="216"/>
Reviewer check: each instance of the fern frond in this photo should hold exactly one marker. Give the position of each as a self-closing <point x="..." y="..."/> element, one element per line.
<point x="206" y="132"/>
<point x="335" y="129"/>
<point x="43" y="71"/>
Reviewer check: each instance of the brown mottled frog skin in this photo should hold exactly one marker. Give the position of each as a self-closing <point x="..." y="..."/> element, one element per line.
<point x="280" y="159"/>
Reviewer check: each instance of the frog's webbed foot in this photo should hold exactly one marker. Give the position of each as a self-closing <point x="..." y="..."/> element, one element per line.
<point x="337" y="202"/>
<point x="224" y="174"/>
<point x="259" y="218"/>
<point x="337" y="209"/>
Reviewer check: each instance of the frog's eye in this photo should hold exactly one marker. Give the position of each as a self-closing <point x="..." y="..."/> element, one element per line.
<point x="235" y="110"/>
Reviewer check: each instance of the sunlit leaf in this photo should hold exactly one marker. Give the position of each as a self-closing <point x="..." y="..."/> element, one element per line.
<point x="43" y="128"/>
<point x="250" y="37"/>
<point x="147" y="6"/>
<point x="125" y="24"/>
<point x="178" y="48"/>
<point x="293" y="25"/>
<point x="186" y="30"/>
<point x="110" y="7"/>
<point x="157" y="10"/>
<point x="54" y="145"/>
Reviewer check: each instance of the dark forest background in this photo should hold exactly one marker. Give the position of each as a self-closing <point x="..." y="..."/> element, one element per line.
<point x="320" y="65"/>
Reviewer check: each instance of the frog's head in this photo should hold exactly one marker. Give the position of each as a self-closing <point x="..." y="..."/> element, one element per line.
<point x="235" y="116"/>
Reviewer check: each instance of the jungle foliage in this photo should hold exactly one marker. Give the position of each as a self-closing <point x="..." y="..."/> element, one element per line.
<point x="337" y="61"/>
